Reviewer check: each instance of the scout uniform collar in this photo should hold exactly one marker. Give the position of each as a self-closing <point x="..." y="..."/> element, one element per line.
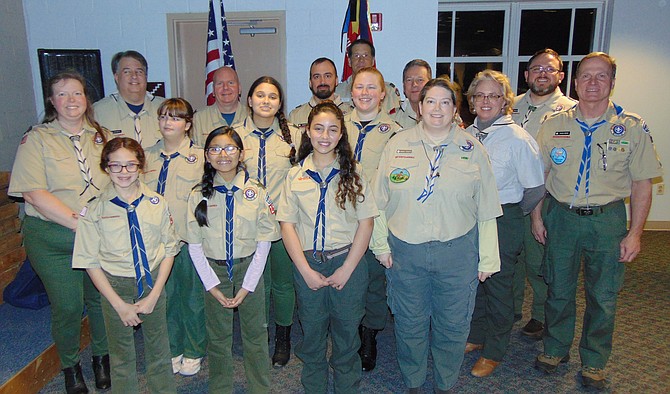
<point x="240" y="179"/>
<point x="124" y="110"/>
<point x="336" y="100"/>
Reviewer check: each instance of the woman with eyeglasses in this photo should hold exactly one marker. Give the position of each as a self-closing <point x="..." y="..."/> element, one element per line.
<point x="231" y="225"/>
<point x="126" y="242"/>
<point x="56" y="173"/>
<point x="436" y="235"/>
<point x="519" y="175"/>
<point x="270" y="150"/>
<point x="174" y="167"/>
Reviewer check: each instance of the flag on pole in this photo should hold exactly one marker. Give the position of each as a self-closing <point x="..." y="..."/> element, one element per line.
<point x="356" y="25"/>
<point x="218" y="53"/>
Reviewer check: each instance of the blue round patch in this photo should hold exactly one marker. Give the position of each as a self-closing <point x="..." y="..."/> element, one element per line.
<point x="618" y="130"/>
<point x="384" y="128"/>
<point x="558" y="155"/>
<point x="154" y="200"/>
<point x="250" y="193"/>
<point x="191" y="159"/>
<point x="468" y="146"/>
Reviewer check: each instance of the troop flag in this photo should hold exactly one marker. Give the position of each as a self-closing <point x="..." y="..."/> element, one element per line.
<point x="356" y="25"/>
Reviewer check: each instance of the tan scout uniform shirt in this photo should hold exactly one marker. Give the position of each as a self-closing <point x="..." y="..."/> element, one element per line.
<point x="405" y="115"/>
<point x="208" y="119"/>
<point x="184" y="172"/>
<point x="300" y="199"/>
<point x="391" y="100"/>
<point x="465" y="192"/>
<point x="375" y="140"/>
<point x="103" y="235"/>
<point x="624" y="138"/>
<point x="253" y="220"/>
<point x="46" y="160"/>
<point x="113" y="113"/>
<point x="300" y="114"/>
<point x="277" y="153"/>
<point x="531" y="120"/>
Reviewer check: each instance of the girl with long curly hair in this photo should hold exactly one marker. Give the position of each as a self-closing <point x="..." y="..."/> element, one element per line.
<point x="326" y="230"/>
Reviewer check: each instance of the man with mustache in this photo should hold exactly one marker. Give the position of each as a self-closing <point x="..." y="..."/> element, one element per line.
<point x="543" y="75"/>
<point x="322" y="83"/>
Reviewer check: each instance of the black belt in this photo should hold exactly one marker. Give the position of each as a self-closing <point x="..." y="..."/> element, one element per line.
<point x="591" y="210"/>
<point x="329" y="254"/>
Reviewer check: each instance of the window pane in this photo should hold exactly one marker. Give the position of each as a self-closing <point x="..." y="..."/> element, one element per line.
<point x="585" y="22"/>
<point x="464" y="73"/>
<point x="479" y="33"/>
<point x="443" y="69"/>
<point x="444" y="21"/>
<point x="544" y="29"/>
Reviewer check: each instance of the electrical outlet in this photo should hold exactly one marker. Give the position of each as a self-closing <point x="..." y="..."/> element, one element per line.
<point x="660" y="189"/>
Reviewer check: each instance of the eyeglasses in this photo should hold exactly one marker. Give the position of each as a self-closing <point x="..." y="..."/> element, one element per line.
<point x="479" y="97"/>
<point x="217" y="150"/>
<point x="603" y="157"/>
<point x="117" y="168"/>
<point x="168" y="117"/>
<point x="540" y="69"/>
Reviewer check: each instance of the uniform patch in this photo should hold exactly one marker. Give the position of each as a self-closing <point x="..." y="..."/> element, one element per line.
<point x="561" y="134"/>
<point x="399" y="175"/>
<point x="558" y="108"/>
<point x="171" y="221"/>
<point x="403" y="151"/>
<point x="645" y="127"/>
<point x="558" y="155"/>
<point x="250" y="193"/>
<point x="384" y="128"/>
<point x="117" y="132"/>
<point x="154" y="200"/>
<point x="515" y="110"/>
<point x="467" y="147"/>
<point x="24" y="139"/>
<point x="270" y="205"/>
<point x="191" y="159"/>
<point x="83" y="211"/>
<point x="618" y="130"/>
<point x="98" y="139"/>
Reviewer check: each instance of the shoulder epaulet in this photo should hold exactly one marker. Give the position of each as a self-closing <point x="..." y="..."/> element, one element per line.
<point x="256" y="183"/>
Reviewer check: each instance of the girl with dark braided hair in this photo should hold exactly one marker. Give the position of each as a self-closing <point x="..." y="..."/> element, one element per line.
<point x="327" y="230"/>
<point x="269" y="154"/>
<point x="230" y="226"/>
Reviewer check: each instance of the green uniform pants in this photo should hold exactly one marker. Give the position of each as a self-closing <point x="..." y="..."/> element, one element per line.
<point x="529" y="267"/>
<point x="376" y="307"/>
<point x="185" y="308"/>
<point x="278" y="277"/>
<point x="253" y="329"/>
<point x="121" y="339"/>
<point x="493" y="317"/>
<point x="49" y="247"/>
<point x="595" y="239"/>
<point x="335" y="313"/>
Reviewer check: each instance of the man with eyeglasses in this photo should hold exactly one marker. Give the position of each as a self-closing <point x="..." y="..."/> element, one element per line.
<point x="586" y="217"/>
<point x="132" y="111"/>
<point x="226" y="110"/>
<point x="543" y="74"/>
<point x="414" y="76"/>
<point x="322" y="84"/>
<point x="362" y="54"/>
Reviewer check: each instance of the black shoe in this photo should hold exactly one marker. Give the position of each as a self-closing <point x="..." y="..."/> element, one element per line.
<point x="534" y="329"/>
<point x="103" y="380"/>
<point x="368" y="350"/>
<point x="282" y="346"/>
<point x="74" y="380"/>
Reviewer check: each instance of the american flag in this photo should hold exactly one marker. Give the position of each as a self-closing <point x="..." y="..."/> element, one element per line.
<point x="356" y="25"/>
<point x="217" y="54"/>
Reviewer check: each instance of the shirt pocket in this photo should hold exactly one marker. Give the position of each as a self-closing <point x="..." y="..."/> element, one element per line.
<point x="404" y="177"/>
<point x="463" y="178"/>
<point x="245" y="220"/>
<point x="186" y="183"/>
<point x="62" y="171"/>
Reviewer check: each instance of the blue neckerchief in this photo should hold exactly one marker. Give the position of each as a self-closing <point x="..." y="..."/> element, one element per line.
<point x="229" y="238"/>
<point x="321" y="209"/>
<point x="262" y="168"/>
<point x="362" y="133"/>
<point x="585" y="165"/>
<point x="137" y="244"/>
<point x="162" y="177"/>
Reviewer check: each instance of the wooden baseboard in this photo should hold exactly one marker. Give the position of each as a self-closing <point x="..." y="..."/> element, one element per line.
<point x="657" y="226"/>
<point x="39" y="372"/>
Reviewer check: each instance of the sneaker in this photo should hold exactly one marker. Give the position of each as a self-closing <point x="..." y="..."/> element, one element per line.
<point x="548" y="364"/>
<point x="176" y="363"/>
<point x="190" y="366"/>
<point x="534" y="329"/>
<point x="593" y="377"/>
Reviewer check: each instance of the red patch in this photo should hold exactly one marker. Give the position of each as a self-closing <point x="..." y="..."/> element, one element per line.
<point x="24" y="139"/>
